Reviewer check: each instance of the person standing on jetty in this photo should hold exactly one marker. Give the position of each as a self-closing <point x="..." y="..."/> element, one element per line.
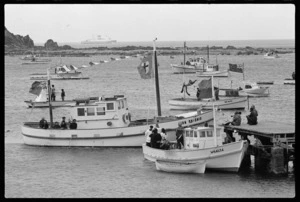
<point x="63" y="94"/>
<point x="252" y="117"/>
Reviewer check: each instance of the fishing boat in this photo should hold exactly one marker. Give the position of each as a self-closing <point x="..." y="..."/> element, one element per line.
<point x="181" y="167"/>
<point x="252" y="89"/>
<point x="204" y="101"/>
<point x="271" y="55"/>
<point x="289" y="81"/>
<point x="203" y="146"/>
<point x="106" y="122"/>
<point x="99" y="40"/>
<point x="42" y="97"/>
<point x="190" y="66"/>
<point x="211" y="70"/>
<point x="61" y="72"/>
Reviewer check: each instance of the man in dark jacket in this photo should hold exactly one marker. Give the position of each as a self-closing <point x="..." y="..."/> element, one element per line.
<point x="155" y="138"/>
<point x="179" y="135"/>
<point x="252" y="117"/>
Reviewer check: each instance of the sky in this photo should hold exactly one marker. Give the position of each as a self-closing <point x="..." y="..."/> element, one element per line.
<point x="142" y="22"/>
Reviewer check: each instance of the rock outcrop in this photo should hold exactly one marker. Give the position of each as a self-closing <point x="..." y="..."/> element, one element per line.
<point x="17" y="41"/>
<point x="51" y="45"/>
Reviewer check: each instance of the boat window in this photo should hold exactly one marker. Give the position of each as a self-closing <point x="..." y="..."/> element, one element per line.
<point x="119" y="105"/>
<point x="202" y="134"/>
<point x="187" y="133"/>
<point x="122" y="104"/>
<point x="195" y="133"/>
<point x="110" y="106"/>
<point x="80" y="111"/>
<point x="100" y="110"/>
<point x="90" y="111"/>
<point x="209" y="134"/>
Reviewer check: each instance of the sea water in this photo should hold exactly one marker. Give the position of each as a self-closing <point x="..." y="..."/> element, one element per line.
<point x="51" y="172"/>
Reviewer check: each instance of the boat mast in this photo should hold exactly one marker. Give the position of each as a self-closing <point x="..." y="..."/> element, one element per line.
<point x="49" y="99"/>
<point x="184" y="47"/>
<point x="213" y="108"/>
<point x="156" y="79"/>
<point x="207" y="54"/>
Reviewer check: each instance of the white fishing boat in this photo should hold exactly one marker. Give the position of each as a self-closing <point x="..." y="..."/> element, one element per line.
<point x="61" y="72"/>
<point x="194" y="103"/>
<point x="42" y="99"/>
<point x="99" y="40"/>
<point x="289" y="81"/>
<point x="204" y="101"/>
<point x="200" y="145"/>
<point x="271" y="55"/>
<point x="190" y="66"/>
<point x="211" y="70"/>
<point x="252" y="89"/>
<point x="106" y="122"/>
<point x="181" y="167"/>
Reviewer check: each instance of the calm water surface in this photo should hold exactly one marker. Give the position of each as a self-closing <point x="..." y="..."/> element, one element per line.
<point x="43" y="172"/>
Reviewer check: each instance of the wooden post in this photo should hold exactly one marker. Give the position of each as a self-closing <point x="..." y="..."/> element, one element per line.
<point x="207" y="54"/>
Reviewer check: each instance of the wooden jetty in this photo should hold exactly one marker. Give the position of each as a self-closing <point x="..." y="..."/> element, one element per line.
<point x="274" y="147"/>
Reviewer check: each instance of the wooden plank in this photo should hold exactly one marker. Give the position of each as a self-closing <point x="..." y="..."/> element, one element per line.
<point x="265" y="127"/>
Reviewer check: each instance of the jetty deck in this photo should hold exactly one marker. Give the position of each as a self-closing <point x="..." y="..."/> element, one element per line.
<point x="276" y="131"/>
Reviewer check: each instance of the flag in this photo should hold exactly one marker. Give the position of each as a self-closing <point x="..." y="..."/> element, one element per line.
<point x="37" y="86"/>
<point x="236" y="68"/>
<point x="205" y="89"/>
<point x="146" y="67"/>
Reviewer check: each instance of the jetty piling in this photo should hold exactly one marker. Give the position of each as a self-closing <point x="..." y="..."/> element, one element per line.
<point x="274" y="147"/>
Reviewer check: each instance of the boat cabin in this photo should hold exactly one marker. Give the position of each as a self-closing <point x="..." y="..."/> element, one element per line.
<point x="101" y="112"/>
<point x="201" y="138"/>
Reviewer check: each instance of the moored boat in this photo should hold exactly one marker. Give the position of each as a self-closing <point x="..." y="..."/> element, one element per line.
<point x="252" y="89"/>
<point x="271" y="55"/>
<point x="202" y="145"/>
<point x="106" y="121"/>
<point x="62" y="72"/>
<point x="181" y="167"/>
<point x="42" y="97"/>
<point x="205" y="93"/>
<point x="190" y="66"/>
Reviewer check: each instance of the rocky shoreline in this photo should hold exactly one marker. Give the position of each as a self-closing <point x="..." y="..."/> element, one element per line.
<point x="16" y="45"/>
<point x="67" y="51"/>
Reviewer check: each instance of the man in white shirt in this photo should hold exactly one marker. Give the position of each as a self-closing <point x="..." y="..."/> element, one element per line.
<point x="148" y="138"/>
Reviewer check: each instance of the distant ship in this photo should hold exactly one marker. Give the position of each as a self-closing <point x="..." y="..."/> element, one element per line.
<point x="99" y="40"/>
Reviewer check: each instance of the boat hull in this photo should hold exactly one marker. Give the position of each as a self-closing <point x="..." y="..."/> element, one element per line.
<point x="63" y="76"/>
<point x="227" y="157"/>
<point x="215" y="74"/>
<point x="184" y="69"/>
<point x="289" y="82"/>
<point x="131" y="136"/>
<point x="46" y="104"/>
<point x="181" y="167"/>
<point x="193" y="103"/>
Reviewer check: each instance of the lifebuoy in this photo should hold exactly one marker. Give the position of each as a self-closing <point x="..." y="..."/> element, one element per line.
<point x="109" y="123"/>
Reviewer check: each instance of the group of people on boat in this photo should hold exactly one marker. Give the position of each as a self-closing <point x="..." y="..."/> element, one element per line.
<point x="157" y="138"/>
<point x="63" y="125"/>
